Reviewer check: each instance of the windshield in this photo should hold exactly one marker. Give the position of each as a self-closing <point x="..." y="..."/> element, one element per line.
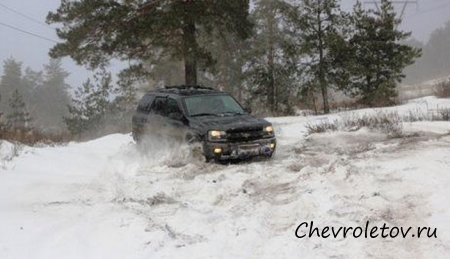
<point x="212" y="105"/>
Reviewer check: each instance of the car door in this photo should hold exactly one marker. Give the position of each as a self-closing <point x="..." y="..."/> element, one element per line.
<point x="156" y="120"/>
<point x="139" y="119"/>
<point x="176" y="122"/>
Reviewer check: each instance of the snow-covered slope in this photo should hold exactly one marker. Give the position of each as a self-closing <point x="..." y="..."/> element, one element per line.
<point x="107" y="199"/>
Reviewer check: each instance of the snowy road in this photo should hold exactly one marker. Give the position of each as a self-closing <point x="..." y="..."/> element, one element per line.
<point x="106" y="199"/>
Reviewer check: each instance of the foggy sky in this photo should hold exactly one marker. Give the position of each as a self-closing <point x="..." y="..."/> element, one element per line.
<point x="421" y="19"/>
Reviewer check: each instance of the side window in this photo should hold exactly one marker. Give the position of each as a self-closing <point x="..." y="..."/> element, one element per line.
<point x="159" y="106"/>
<point x="172" y="107"/>
<point x="145" y="103"/>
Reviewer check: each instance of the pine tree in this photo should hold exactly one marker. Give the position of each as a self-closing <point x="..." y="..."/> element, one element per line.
<point x="271" y="67"/>
<point x="19" y="117"/>
<point x="96" y="31"/>
<point x="50" y="97"/>
<point x="32" y="80"/>
<point x="225" y="73"/>
<point x="90" y="106"/>
<point x="10" y="80"/>
<point x="320" y="22"/>
<point x="379" y="56"/>
<point x="124" y="103"/>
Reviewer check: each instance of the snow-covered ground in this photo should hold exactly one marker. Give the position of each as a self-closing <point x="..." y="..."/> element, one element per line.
<point x="107" y="199"/>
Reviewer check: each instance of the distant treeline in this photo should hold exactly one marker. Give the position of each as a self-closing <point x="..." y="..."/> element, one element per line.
<point x="37" y="105"/>
<point x="435" y="60"/>
<point x="34" y="99"/>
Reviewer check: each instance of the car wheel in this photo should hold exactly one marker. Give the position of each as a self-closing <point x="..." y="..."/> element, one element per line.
<point x="136" y="135"/>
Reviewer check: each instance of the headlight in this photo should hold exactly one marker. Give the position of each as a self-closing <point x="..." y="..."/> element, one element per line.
<point x="216" y="135"/>
<point x="268" y="130"/>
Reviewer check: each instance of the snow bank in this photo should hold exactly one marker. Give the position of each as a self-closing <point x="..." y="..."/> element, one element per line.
<point x="108" y="199"/>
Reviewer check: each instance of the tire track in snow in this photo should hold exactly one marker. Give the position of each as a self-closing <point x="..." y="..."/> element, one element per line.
<point x="340" y="184"/>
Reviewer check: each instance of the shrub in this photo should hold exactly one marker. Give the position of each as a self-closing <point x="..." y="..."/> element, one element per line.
<point x="442" y="89"/>
<point x="443" y="114"/>
<point x="32" y="136"/>
<point x="440" y="114"/>
<point x="324" y="126"/>
<point x="387" y="122"/>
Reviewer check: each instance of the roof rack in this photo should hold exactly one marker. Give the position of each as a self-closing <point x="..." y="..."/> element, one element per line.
<point x="185" y="88"/>
<point x="188" y="87"/>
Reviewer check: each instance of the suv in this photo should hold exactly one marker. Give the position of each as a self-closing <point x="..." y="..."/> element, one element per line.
<point x="213" y="119"/>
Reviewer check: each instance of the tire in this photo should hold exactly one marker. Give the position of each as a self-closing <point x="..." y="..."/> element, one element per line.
<point x="137" y="135"/>
<point x="196" y="147"/>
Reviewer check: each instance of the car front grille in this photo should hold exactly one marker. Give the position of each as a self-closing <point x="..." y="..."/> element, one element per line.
<point x="246" y="134"/>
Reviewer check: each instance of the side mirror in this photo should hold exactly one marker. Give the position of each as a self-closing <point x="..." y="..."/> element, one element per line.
<point x="248" y="109"/>
<point x="176" y="116"/>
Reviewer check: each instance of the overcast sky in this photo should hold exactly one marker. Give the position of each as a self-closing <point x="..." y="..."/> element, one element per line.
<point x="29" y="15"/>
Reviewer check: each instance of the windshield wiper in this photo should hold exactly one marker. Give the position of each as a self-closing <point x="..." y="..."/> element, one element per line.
<point x="204" y="114"/>
<point x="232" y="113"/>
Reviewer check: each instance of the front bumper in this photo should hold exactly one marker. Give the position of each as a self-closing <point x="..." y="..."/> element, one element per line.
<point x="240" y="150"/>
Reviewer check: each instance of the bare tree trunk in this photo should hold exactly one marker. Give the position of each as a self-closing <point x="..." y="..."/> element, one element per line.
<point x="271" y="86"/>
<point x="316" y="112"/>
<point x="239" y="87"/>
<point x="189" y="47"/>
<point x="322" y="80"/>
<point x="326" y="105"/>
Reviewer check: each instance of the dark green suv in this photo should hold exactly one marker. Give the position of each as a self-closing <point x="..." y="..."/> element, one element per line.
<point x="211" y="118"/>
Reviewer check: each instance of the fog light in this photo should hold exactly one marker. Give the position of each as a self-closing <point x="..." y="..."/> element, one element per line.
<point x="217" y="150"/>
<point x="272" y="145"/>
